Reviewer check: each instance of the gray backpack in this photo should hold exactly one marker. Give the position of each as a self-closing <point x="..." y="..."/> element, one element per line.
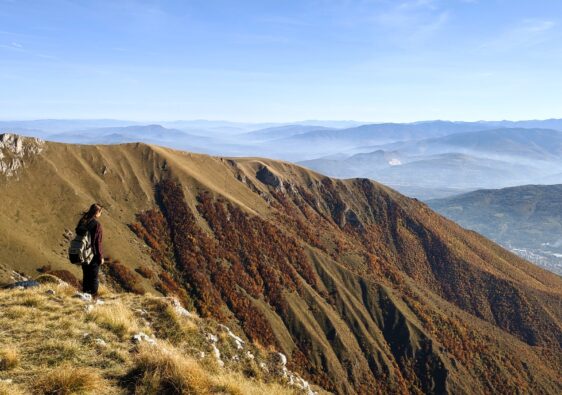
<point x="80" y="250"/>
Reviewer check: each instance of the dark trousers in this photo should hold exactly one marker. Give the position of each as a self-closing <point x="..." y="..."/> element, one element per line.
<point x="90" y="280"/>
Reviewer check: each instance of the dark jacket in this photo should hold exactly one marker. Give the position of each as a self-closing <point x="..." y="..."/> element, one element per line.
<point x="96" y="235"/>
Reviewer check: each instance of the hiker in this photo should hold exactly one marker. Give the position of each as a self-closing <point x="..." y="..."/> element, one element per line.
<point x="89" y="223"/>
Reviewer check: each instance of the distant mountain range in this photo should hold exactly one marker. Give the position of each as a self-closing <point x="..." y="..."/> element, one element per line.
<point x="154" y="134"/>
<point x="426" y="160"/>
<point x="526" y="219"/>
<point x="470" y="160"/>
<point x="535" y="144"/>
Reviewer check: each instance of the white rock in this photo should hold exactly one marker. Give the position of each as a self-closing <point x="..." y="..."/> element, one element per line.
<point x="180" y="309"/>
<point x="280" y="359"/>
<point x="86" y="297"/>
<point x="143" y="337"/>
<point x="212" y="338"/>
<point x="263" y="366"/>
<point x="101" y="342"/>
<point x="238" y="342"/>
<point x="13" y="151"/>
<point x="217" y="355"/>
<point x="249" y="355"/>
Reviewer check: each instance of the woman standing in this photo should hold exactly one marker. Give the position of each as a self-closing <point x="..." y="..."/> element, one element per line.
<point x="89" y="223"/>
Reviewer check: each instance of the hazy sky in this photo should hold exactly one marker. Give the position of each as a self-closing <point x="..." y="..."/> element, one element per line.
<point x="265" y="60"/>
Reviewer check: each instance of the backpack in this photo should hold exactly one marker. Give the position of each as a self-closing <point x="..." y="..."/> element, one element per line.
<point x="80" y="250"/>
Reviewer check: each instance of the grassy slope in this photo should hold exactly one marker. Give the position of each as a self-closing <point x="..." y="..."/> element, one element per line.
<point x="414" y="304"/>
<point x="58" y="342"/>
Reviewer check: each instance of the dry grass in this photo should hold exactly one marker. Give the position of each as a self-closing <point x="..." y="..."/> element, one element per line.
<point x="48" y="279"/>
<point x="31" y="301"/>
<point x="59" y="349"/>
<point x="9" y="358"/>
<point x="15" y="312"/>
<point x="237" y="384"/>
<point x="56" y="351"/>
<point x="114" y="317"/>
<point x="10" y="389"/>
<point x="166" y="371"/>
<point x="66" y="380"/>
<point x="168" y="323"/>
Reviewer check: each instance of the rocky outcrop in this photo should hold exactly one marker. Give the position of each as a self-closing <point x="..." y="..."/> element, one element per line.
<point x="14" y="150"/>
<point x="266" y="176"/>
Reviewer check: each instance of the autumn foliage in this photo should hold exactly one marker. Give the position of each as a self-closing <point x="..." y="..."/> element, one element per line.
<point x="223" y="259"/>
<point x="123" y="276"/>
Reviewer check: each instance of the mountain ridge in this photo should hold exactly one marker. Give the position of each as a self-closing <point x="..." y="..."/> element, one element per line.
<point x="364" y="289"/>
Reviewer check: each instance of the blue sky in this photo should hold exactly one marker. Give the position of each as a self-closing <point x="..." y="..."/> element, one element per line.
<point x="285" y="60"/>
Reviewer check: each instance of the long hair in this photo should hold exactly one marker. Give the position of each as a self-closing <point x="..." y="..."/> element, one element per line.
<point x="86" y="216"/>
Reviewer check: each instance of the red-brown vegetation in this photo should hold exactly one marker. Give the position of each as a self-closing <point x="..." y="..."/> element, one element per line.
<point x="146" y="272"/>
<point x="124" y="277"/>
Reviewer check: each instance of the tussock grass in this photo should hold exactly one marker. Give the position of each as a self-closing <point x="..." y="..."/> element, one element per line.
<point x="15" y="312"/>
<point x="237" y="384"/>
<point x="11" y="389"/>
<point x="114" y="317"/>
<point x="48" y="279"/>
<point x="56" y="351"/>
<point x="67" y="346"/>
<point x="166" y="371"/>
<point x="66" y="380"/>
<point x="31" y="301"/>
<point x="168" y="324"/>
<point x="9" y="358"/>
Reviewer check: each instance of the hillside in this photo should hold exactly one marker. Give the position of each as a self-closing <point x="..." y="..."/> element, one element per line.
<point x="527" y="219"/>
<point x="365" y="290"/>
<point x="53" y="342"/>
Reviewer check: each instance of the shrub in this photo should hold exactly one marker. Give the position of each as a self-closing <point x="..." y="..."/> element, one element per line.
<point x="47" y="279"/>
<point x="67" y="379"/>
<point x="66" y="276"/>
<point x="146" y="272"/>
<point x="124" y="277"/>
<point x="9" y="358"/>
<point x="49" y="276"/>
